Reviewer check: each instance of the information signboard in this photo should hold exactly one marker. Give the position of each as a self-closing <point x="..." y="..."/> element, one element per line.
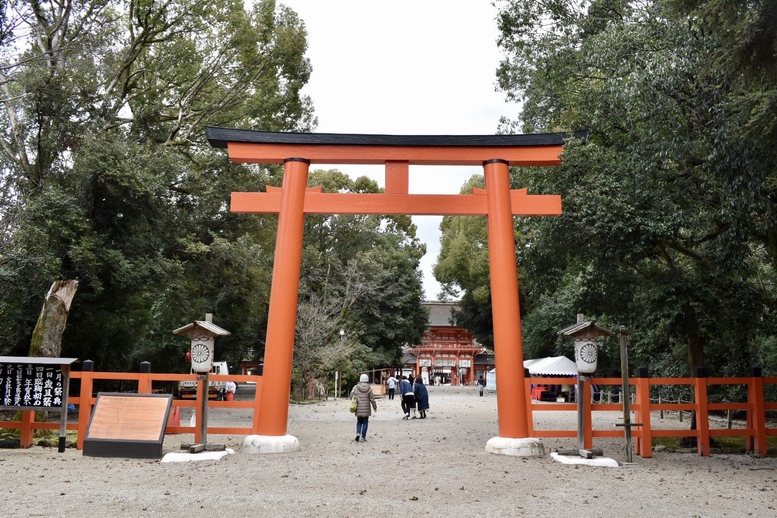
<point x="30" y="385"/>
<point x="128" y="425"/>
<point x="36" y="383"/>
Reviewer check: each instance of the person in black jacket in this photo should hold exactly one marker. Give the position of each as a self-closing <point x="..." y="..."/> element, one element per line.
<point x="421" y="397"/>
<point x="407" y="397"/>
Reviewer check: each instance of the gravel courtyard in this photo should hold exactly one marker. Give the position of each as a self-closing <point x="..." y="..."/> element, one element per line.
<point x="432" y="467"/>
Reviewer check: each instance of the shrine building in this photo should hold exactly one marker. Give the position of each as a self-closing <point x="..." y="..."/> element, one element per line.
<point x="447" y="352"/>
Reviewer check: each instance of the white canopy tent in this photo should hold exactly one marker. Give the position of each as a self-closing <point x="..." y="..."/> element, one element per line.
<point x="550" y="366"/>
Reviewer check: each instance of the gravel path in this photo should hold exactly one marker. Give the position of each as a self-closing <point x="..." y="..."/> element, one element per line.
<point x="432" y="467"/>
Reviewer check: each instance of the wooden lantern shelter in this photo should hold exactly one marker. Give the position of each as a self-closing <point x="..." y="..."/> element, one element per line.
<point x="585" y="332"/>
<point x="297" y="151"/>
<point x="202" y="333"/>
<point x="202" y="351"/>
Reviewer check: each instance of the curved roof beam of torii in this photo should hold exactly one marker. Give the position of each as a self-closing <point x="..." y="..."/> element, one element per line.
<point x="267" y="147"/>
<point x="396" y="152"/>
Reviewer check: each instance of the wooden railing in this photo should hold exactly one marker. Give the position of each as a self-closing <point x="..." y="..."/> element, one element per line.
<point x="144" y="384"/>
<point x="756" y="429"/>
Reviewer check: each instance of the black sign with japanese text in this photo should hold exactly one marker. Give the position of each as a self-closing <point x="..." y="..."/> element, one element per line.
<point x="30" y="385"/>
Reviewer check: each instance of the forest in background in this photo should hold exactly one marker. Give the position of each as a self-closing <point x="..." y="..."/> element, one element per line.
<point x="669" y="225"/>
<point x="107" y="178"/>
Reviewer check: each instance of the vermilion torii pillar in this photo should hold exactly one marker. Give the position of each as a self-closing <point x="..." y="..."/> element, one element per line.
<point x="297" y="151"/>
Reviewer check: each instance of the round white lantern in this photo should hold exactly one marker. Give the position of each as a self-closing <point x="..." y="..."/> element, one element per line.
<point x="586" y="353"/>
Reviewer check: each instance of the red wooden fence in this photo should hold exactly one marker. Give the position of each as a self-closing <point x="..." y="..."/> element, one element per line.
<point x="86" y="400"/>
<point x="756" y="431"/>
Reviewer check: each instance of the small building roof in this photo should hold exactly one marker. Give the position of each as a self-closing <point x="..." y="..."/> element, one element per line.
<point x="585" y="328"/>
<point x="210" y="327"/>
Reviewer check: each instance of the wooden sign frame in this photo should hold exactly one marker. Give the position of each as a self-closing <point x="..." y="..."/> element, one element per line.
<point x="128" y="425"/>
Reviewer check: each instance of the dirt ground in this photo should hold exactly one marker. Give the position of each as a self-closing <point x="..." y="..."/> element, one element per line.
<point x="433" y="467"/>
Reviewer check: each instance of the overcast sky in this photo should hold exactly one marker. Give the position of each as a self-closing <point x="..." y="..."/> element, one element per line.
<point x="405" y="67"/>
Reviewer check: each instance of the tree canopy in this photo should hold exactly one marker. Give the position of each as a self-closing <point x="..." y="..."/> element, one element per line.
<point x="668" y="224"/>
<point x="107" y="178"/>
<point x="361" y="275"/>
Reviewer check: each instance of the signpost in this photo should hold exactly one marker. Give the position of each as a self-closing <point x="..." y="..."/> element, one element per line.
<point x="32" y="383"/>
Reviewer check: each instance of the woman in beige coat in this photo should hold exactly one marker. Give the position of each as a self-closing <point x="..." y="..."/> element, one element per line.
<point x="365" y="405"/>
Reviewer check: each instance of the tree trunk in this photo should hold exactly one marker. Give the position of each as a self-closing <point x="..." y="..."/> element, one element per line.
<point x="47" y="337"/>
<point x="696" y="359"/>
<point x="695" y="353"/>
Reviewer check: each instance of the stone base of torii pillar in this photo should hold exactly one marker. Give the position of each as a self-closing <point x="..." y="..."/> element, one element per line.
<point x="524" y="447"/>
<point x="270" y="444"/>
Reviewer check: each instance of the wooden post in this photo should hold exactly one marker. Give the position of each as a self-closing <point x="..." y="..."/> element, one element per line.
<point x="756" y="416"/>
<point x="65" y="369"/>
<point x="588" y="434"/>
<point x="643" y="443"/>
<point x="85" y="401"/>
<point x="625" y="390"/>
<point x="27" y="431"/>
<point x="530" y="422"/>
<point x="203" y="394"/>
<point x="702" y="411"/>
<point x="144" y="378"/>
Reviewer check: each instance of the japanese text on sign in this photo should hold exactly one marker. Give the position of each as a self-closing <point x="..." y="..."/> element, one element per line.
<point x="30" y="385"/>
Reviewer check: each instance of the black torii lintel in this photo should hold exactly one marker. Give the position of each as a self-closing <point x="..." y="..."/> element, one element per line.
<point x="220" y="136"/>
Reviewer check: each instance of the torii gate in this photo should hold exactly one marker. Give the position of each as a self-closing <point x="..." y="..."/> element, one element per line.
<point x="496" y="153"/>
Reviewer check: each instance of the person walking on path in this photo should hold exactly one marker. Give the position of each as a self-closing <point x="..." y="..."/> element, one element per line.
<point x="391" y="383"/>
<point x="365" y="404"/>
<point x="421" y="397"/>
<point x="481" y="384"/>
<point x="407" y="397"/>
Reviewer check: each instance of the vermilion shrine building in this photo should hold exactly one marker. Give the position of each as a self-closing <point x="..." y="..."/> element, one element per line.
<point x="446" y="351"/>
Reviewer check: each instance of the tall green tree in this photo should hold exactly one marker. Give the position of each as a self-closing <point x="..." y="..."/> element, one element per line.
<point x="367" y="268"/>
<point x="107" y="178"/>
<point x="667" y="207"/>
<point x="463" y="269"/>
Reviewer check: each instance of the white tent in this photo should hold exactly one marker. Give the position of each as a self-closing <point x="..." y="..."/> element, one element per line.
<point x="491" y="379"/>
<point x="551" y="366"/>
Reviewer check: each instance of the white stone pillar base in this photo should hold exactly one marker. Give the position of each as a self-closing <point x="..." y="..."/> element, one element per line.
<point x="525" y="447"/>
<point x="253" y="444"/>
